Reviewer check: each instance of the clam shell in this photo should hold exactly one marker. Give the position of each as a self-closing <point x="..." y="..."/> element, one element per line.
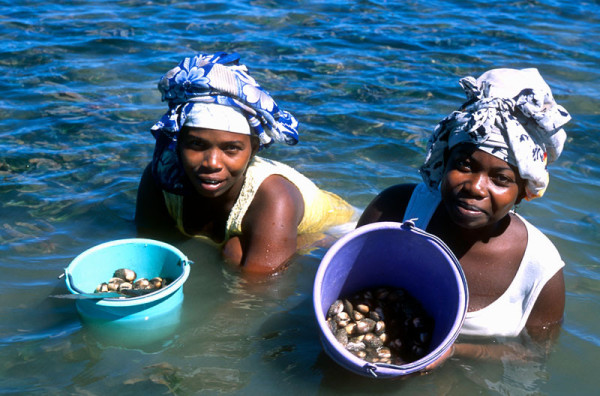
<point x="335" y="308"/>
<point x="341" y="336"/>
<point x="141" y="283"/>
<point x="363" y="308"/>
<point x="102" y="288"/>
<point x="365" y="326"/>
<point x="125" y="274"/>
<point x="372" y="341"/>
<point x="355" y="346"/>
<point x="158" y="282"/>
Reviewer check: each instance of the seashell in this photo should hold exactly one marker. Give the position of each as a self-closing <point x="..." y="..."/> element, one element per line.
<point x="342" y="337"/>
<point x="379" y="327"/>
<point x="355" y="346"/>
<point x="357" y="338"/>
<point x="375" y="316"/>
<point x="158" y="282"/>
<point x="383" y="337"/>
<point x="102" y="288"/>
<point x="342" y="319"/>
<point x="384" y="353"/>
<point x="141" y="283"/>
<point x="365" y="326"/>
<point x="372" y="341"/>
<point x="379" y="312"/>
<point x="332" y="325"/>
<point x="335" y="308"/>
<point x="350" y="328"/>
<point x="125" y="274"/>
<point x="114" y="283"/>
<point x="357" y="316"/>
<point x="382" y="325"/>
<point x="363" y="308"/>
<point x="348" y="306"/>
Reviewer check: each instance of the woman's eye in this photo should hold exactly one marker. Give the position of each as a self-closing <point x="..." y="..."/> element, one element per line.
<point x="194" y="143"/>
<point x="232" y="149"/>
<point x="463" y="164"/>
<point x="504" y="180"/>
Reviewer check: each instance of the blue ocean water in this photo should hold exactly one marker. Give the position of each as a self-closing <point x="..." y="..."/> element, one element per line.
<point x="367" y="80"/>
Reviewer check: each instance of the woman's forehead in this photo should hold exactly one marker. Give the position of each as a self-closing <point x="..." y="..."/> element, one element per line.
<point x="215" y="134"/>
<point x="468" y="150"/>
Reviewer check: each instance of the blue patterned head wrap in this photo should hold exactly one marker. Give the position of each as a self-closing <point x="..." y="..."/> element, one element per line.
<point x="510" y="114"/>
<point x="213" y="78"/>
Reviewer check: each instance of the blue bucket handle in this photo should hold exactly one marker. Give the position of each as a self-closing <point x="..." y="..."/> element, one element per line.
<point x="186" y="261"/>
<point x="182" y="262"/>
<point x="371" y="369"/>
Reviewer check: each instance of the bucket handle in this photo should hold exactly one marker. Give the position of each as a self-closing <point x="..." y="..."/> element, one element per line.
<point x="410" y="223"/>
<point x="371" y="369"/>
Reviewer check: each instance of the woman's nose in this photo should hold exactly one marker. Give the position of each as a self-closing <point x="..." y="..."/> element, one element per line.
<point x="477" y="185"/>
<point x="211" y="160"/>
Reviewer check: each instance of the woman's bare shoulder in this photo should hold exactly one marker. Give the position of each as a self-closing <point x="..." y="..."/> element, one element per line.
<point x="276" y="199"/>
<point x="389" y="205"/>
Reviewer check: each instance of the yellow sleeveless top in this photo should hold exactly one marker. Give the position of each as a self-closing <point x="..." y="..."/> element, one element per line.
<point x="322" y="209"/>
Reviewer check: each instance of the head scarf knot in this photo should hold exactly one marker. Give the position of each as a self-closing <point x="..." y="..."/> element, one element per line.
<point x="510" y="114"/>
<point x="213" y="79"/>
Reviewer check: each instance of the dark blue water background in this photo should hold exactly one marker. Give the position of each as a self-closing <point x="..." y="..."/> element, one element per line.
<point x="368" y="80"/>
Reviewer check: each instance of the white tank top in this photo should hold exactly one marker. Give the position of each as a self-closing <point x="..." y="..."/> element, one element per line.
<point x="507" y="315"/>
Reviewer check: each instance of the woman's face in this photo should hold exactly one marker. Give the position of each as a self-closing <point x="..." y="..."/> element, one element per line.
<point x="478" y="189"/>
<point x="215" y="161"/>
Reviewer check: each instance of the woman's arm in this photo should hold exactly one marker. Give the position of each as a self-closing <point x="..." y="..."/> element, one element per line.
<point x="543" y="326"/>
<point x="546" y="316"/>
<point x="389" y="205"/>
<point x="269" y="228"/>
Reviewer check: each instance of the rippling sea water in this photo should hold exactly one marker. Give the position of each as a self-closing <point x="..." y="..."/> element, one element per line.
<point x="368" y="81"/>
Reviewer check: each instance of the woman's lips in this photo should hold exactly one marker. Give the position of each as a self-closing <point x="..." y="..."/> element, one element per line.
<point x="210" y="184"/>
<point x="469" y="209"/>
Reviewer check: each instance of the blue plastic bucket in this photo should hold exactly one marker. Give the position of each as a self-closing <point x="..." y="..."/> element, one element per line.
<point x="148" y="258"/>
<point x="396" y="255"/>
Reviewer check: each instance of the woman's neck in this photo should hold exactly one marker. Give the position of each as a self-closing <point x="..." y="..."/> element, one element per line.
<point x="460" y="240"/>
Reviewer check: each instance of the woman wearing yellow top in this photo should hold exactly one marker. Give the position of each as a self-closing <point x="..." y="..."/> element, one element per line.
<point x="206" y="180"/>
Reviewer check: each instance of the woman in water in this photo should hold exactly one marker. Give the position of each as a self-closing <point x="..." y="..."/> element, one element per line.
<point x="482" y="160"/>
<point x="205" y="179"/>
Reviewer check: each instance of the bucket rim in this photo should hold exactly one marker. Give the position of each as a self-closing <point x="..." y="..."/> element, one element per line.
<point x="138" y="300"/>
<point x="388" y="370"/>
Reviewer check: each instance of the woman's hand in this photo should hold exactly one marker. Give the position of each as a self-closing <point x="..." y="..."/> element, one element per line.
<point x="439" y="361"/>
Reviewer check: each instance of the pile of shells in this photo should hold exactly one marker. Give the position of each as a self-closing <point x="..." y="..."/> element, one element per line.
<point x="124" y="281"/>
<point x="382" y="325"/>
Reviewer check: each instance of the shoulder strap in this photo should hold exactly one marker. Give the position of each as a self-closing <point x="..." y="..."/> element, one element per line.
<point x="423" y="203"/>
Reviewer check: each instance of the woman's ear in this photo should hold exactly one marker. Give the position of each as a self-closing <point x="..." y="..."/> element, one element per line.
<point x="522" y="192"/>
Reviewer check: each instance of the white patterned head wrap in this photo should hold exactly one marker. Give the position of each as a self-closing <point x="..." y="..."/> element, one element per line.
<point x="510" y="114"/>
<point x="213" y="91"/>
<point x="219" y="117"/>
